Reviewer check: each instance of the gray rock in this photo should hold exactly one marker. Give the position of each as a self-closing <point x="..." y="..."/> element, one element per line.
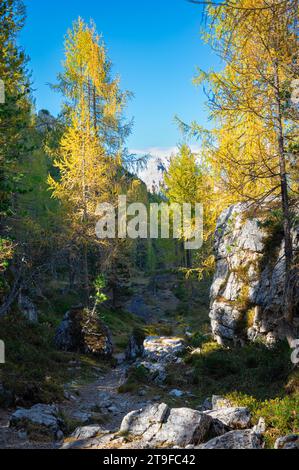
<point x="156" y="371"/>
<point x="120" y="358"/>
<point x="80" y="331"/>
<point x="88" y="432"/>
<point x="158" y="424"/>
<point x="162" y="349"/>
<point x="23" y="435"/>
<point x="81" y="416"/>
<point x="260" y="427"/>
<point x="206" y="405"/>
<point x="243" y="270"/>
<point x="245" y="439"/>
<point x="218" y="428"/>
<point x="287" y="442"/>
<point x="43" y="417"/>
<point x="113" y="409"/>
<point x="147" y="421"/>
<point x="234" y="418"/>
<point x="219" y="402"/>
<point x="27" y="308"/>
<point x="183" y="427"/>
<point x="135" y="347"/>
<point x="175" y="393"/>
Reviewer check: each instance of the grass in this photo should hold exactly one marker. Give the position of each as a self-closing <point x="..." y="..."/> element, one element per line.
<point x="252" y="369"/>
<point x="262" y="379"/>
<point x="121" y="324"/>
<point x="35" y="372"/>
<point x="137" y="376"/>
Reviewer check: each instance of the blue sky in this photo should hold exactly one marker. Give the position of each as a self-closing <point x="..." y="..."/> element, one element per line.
<point x="155" y="46"/>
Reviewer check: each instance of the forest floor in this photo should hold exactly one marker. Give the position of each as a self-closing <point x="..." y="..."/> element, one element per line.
<point x="102" y="394"/>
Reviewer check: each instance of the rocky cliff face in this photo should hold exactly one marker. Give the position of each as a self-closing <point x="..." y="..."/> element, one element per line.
<point x="247" y="290"/>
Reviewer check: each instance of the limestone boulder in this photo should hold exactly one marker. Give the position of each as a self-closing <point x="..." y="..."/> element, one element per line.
<point x="244" y="439"/>
<point x="42" y="420"/>
<point x="80" y="331"/>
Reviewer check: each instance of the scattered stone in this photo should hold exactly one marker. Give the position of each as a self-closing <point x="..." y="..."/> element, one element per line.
<point x="195" y="352"/>
<point x="163" y="349"/>
<point x="88" y="432"/>
<point x="156" y="371"/>
<point x="219" y="402"/>
<point x="218" y="428"/>
<point x="120" y="358"/>
<point x="81" y="416"/>
<point x="23" y="435"/>
<point x="234" y="418"/>
<point x="207" y="405"/>
<point x="68" y="396"/>
<point x="113" y="409"/>
<point x="142" y="393"/>
<point x="42" y="419"/>
<point x="287" y="442"/>
<point x="176" y="393"/>
<point x="245" y="439"/>
<point x="260" y="427"/>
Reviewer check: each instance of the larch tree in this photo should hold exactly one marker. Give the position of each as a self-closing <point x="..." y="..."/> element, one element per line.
<point x="15" y="122"/>
<point x="188" y="180"/>
<point x="90" y="151"/>
<point x="255" y="140"/>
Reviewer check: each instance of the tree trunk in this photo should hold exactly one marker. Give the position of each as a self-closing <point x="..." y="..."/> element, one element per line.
<point x="86" y="273"/>
<point x="288" y="249"/>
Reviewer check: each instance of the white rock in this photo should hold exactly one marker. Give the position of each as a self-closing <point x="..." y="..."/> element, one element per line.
<point x="260" y="427"/>
<point x="176" y="393"/>
<point x="44" y="416"/>
<point x="88" y="432"/>
<point x="245" y="439"/>
<point x="145" y="423"/>
<point x="183" y="427"/>
<point x="158" y="424"/>
<point x="287" y="442"/>
<point x="219" y="402"/>
<point x="234" y="418"/>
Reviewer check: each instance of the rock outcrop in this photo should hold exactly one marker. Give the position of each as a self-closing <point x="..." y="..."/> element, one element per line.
<point x="247" y="290"/>
<point x="246" y="439"/>
<point x="159" y="425"/>
<point x="235" y="418"/>
<point x="42" y="420"/>
<point x="159" y="351"/>
<point x="82" y="332"/>
<point x="135" y="347"/>
<point x="288" y="442"/>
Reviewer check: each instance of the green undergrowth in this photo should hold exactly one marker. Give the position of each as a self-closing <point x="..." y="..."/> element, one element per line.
<point x="252" y="369"/>
<point x="136" y="378"/>
<point x="263" y="379"/>
<point x="121" y="324"/>
<point x="281" y="414"/>
<point x="35" y="372"/>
